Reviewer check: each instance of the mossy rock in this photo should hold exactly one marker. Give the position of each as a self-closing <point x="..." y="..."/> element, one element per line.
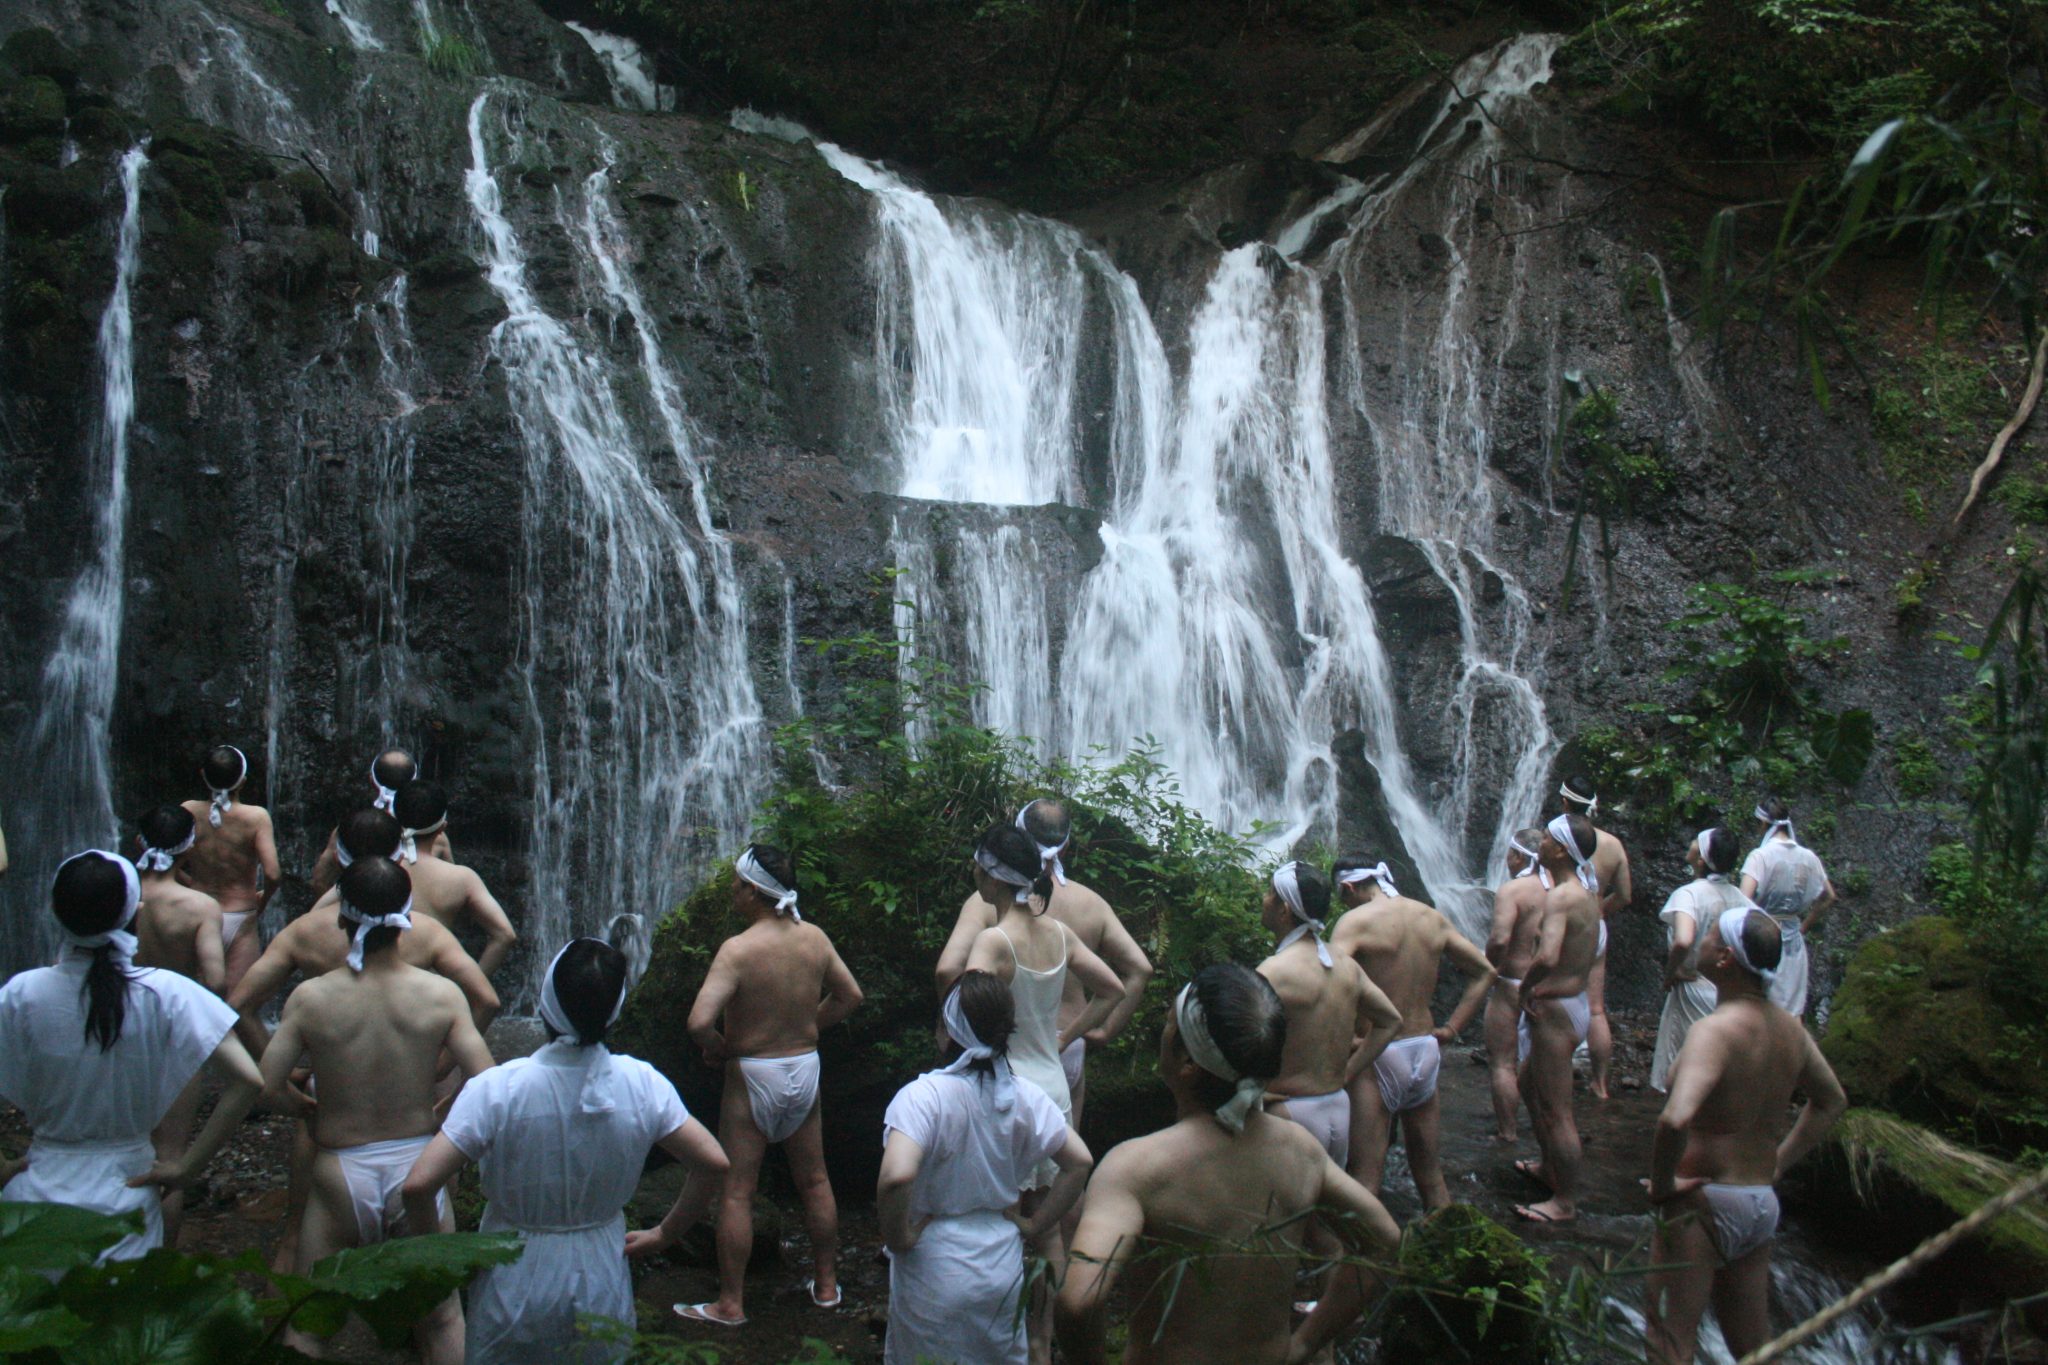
<point x="1918" y="1028"/>
<point x="38" y="52"/>
<point x="1468" y="1289"/>
<point x="33" y="108"/>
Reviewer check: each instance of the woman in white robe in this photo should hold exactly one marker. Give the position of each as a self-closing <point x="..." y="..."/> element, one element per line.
<point x="1687" y="914"/>
<point x="561" y="1138"/>
<point x="959" y="1146"/>
<point x="1786" y="879"/>
<point x="94" y="1051"/>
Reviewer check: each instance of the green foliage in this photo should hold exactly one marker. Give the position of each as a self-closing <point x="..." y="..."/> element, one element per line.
<point x="2026" y="499"/>
<point x="1615" y="480"/>
<point x="2010" y="803"/>
<point x="447" y="54"/>
<point x="1919" y="771"/>
<point x="57" y="1307"/>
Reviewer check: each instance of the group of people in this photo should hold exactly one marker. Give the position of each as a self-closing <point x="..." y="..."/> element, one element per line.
<point x="1289" y="1079"/>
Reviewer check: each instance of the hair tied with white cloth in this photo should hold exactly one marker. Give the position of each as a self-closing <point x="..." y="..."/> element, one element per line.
<point x="1534" y="863"/>
<point x="1776" y="825"/>
<point x="224" y="797"/>
<point x="1561" y="830"/>
<point x="1004" y="873"/>
<point x="972" y="1050"/>
<point x="399" y="919"/>
<point x="409" y="840"/>
<point x="753" y="874"/>
<point x="117" y="938"/>
<point x="596" y="1095"/>
<point x="387" y="797"/>
<point x="1705" y="844"/>
<point x="1591" y="803"/>
<point x="1046" y="852"/>
<point x="160" y="859"/>
<point x="1731" y="924"/>
<point x="1250" y="1093"/>
<point x="1287" y="885"/>
<point x="1383" y="875"/>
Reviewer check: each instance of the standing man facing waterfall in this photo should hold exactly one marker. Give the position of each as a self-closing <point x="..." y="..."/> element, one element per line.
<point x="1717" y="1156"/>
<point x="1511" y="947"/>
<point x="235" y="858"/>
<point x="443" y="890"/>
<point x="1610" y="863"/>
<point x="1555" y="1013"/>
<point x="389" y="771"/>
<point x="1050" y="827"/>
<point x="772" y="989"/>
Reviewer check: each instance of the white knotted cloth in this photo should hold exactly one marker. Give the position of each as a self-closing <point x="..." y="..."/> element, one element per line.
<point x="753" y="874"/>
<point x="1046" y="852"/>
<point x="1287" y="885"/>
<point x="1250" y="1093"/>
<point x="118" y="938"/>
<point x="1561" y="830"/>
<point x="972" y="1050"/>
<point x="155" y="859"/>
<point x="597" y="1094"/>
<point x="224" y="797"/>
<point x="399" y="919"/>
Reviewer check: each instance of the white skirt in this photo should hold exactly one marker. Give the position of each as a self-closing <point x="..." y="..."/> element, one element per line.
<point x="525" y="1313"/>
<point x="1686" y="1004"/>
<point x="1788" y="984"/>
<point x="953" y="1298"/>
<point x="94" y="1175"/>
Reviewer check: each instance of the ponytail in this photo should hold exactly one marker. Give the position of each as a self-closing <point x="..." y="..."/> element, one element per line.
<point x="1041" y="887"/>
<point x="106" y="995"/>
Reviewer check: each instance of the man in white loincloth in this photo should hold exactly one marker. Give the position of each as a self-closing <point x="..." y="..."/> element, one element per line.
<point x="448" y="892"/>
<point x="389" y="771"/>
<point x="235" y="858"/>
<point x="1511" y="947"/>
<point x="772" y="989"/>
<point x="1555" y="1013"/>
<point x="1617" y="893"/>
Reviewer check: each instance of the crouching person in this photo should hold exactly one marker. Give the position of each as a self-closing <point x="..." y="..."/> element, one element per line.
<point x="561" y="1138"/>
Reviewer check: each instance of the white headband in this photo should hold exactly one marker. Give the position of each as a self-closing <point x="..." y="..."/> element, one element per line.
<point x="399" y="919"/>
<point x="1535" y="863"/>
<point x="1004" y="873"/>
<point x="1561" y="830"/>
<point x="1194" y="1035"/>
<point x="1776" y="825"/>
<point x="387" y="797"/>
<point x="408" y="840"/>
<point x="1046" y="851"/>
<point x="972" y="1050"/>
<point x="1288" y="885"/>
<point x="224" y="797"/>
<point x="155" y="859"/>
<point x="1352" y="876"/>
<point x="1731" y="924"/>
<point x="1591" y="803"/>
<point x="1705" y="845"/>
<point x="118" y="938"/>
<point x="596" y="1096"/>
<point x="753" y="874"/>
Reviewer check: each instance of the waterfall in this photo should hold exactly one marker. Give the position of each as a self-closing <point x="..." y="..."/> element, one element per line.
<point x="628" y="69"/>
<point x="360" y="35"/>
<point x="69" y="797"/>
<point x="647" y="737"/>
<point x="389" y="497"/>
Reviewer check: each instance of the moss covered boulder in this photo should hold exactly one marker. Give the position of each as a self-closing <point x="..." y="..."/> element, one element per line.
<point x="1927" y="1025"/>
<point x="1467" y="1289"/>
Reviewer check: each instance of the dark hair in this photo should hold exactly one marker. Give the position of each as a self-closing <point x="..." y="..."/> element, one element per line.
<point x="1583" y="833"/>
<point x="776" y="863"/>
<point x="88" y="897"/>
<point x="1345" y="862"/>
<point x="587" y="982"/>
<point x="1762" y="942"/>
<point x="1315" y="890"/>
<point x="990" y="1009"/>
<point x="375" y="886"/>
<point x="1047" y="821"/>
<point x="1013" y="848"/>
<point x="394" y="768"/>
<point x="1722" y="848"/>
<point x="165" y="827"/>
<point x="1246" y="1021"/>
<point x="1583" y="785"/>
<point x="224" y="767"/>
<point x="418" y="805"/>
<point x="1775" y="809"/>
<point x="368" y="833"/>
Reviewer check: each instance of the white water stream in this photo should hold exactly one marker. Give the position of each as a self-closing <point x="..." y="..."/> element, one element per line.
<point x="629" y="70"/>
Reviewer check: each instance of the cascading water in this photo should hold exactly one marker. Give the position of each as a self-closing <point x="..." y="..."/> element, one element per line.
<point x="629" y="70"/>
<point x="393" y="443"/>
<point x="647" y="737"/>
<point x="67" y="751"/>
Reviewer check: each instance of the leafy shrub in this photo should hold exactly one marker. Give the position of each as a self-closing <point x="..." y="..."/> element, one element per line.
<point x="1919" y="770"/>
<point x="449" y="55"/>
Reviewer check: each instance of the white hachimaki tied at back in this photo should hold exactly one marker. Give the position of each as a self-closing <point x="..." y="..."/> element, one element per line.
<point x="1591" y="803"/>
<point x="1287" y="885"/>
<point x="1532" y="865"/>
<point x="1731" y="923"/>
<point x="1046" y="851"/>
<point x="160" y="859"/>
<point x="596" y="1096"/>
<point x="1382" y="874"/>
<point x="753" y="874"/>
<point x="399" y="919"/>
<point x="1705" y="844"/>
<point x="224" y="797"/>
<point x="409" y="840"/>
<point x="972" y="1050"/>
<point x="1582" y="860"/>
<point x="1773" y="826"/>
<point x="117" y="938"/>
<point x="1194" y="1035"/>
<point x="987" y="861"/>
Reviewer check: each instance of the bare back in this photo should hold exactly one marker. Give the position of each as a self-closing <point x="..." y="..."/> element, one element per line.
<point x="777" y="968"/>
<point x="1755" y="1054"/>
<point x="1519" y="903"/>
<point x="1572" y="911"/>
<point x="178" y="928"/>
<point x="374" y="1040"/>
<point x="1203" y="1189"/>
<point x="1399" y="943"/>
<point x="443" y="890"/>
<point x="315" y="943"/>
<point x="1323" y="1024"/>
<point x="227" y="862"/>
<point x="1610" y="864"/>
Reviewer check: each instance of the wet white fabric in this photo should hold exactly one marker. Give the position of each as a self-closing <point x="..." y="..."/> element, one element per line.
<point x="160" y="859"/>
<point x="1744" y="1217"/>
<point x="375" y="1173"/>
<point x="1407" y="1072"/>
<point x="1046" y="852"/>
<point x="408" y="839"/>
<point x="1194" y="1036"/>
<point x="1577" y="1010"/>
<point x="1287" y="885"/>
<point x="1701" y="901"/>
<point x="1327" y="1118"/>
<point x="781" y="1092"/>
<point x="231" y="922"/>
<point x="954" y="1295"/>
<point x="224" y="797"/>
<point x="90" y="1111"/>
<point x="1582" y="862"/>
<point x="399" y="919"/>
<point x="1600" y="945"/>
<point x="1035" y="1039"/>
<point x="1591" y="803"/>
<point x="751" y="872"/>
<point x="118" y="937"/>
<point x="558" y="1175"/>
<point x="972" y="1050"/>
<point x="1004" y="873"/>
<point x="596" y="1061"/>
<point x="1073" y="1061"/>
<point x="1353" y="876"/>
<point x="1789" y="879"/>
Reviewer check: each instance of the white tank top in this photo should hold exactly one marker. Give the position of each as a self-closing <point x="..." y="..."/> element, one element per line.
<point x="1035" y="1045"/>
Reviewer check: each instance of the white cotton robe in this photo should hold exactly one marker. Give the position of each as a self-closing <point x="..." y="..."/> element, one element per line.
<point x="1789" y="879"/>
<point x="90" y="1111"/>
<point x="953" y="1296"/>
<point x="1702" y="902"/>
<point x="560" y="1177"/>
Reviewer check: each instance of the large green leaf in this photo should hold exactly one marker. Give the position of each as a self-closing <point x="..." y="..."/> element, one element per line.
<point x="29" y="1318"/>
<point x="393" y="1285"/>
<point x="1844" y="743"/>
<point x="164" y="1309"/>
<point x="56" y="1237"/>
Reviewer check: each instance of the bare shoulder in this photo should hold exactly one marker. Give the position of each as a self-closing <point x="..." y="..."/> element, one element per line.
<point x="1081" y="909"/>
